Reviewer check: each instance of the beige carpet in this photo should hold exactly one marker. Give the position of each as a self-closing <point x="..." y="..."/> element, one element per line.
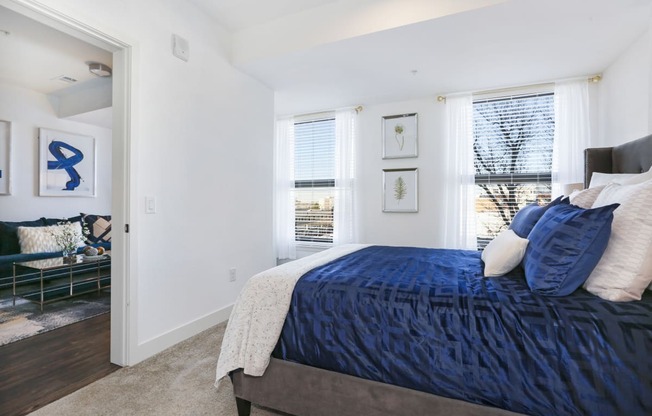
<point x="178" y="381"/>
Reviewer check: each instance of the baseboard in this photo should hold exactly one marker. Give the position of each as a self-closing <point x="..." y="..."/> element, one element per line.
<point x="168" y="339"/>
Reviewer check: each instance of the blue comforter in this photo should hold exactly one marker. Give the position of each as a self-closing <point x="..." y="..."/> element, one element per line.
<point x="426" y="319"/>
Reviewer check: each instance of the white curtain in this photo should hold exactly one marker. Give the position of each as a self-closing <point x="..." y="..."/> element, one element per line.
<point x="572" y="133"/>
<point x="283" y="189"/>
<point x="459" y="196"/>
<point x="344" y="209"/>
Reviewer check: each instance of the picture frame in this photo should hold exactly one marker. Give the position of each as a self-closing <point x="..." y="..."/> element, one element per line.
<point x="400" y="190"/>
<point x="400" y="136"/>
<point x="67" y="164"/>
<point x="5" y="157"/>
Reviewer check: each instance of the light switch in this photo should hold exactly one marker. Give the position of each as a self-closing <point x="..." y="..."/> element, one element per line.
<point x="180" y="48"/>
<point x="150" y="205"/>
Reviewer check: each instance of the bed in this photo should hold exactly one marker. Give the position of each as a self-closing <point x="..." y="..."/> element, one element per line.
<point x="496" y="349"/>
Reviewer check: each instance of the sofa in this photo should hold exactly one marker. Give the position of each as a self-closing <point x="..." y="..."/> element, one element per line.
<point x="99" y="227"/>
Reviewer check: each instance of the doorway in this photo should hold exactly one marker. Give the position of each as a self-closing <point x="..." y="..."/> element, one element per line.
<point x="121" y="261"/>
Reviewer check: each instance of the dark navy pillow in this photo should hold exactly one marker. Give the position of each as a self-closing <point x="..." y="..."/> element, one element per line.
<point x="565" y="246"/>
<point x="56" y="221"/>
<point x="527" y="217"/>
<point x="9" y="235"/>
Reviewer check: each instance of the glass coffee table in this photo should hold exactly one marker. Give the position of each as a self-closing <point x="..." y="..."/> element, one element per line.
<point x="50" y="280"/>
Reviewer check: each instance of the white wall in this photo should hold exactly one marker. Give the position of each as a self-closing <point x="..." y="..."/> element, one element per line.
<point x="28" y="111"/>
<point x="203" y="139"/>
<point x="625" y="94"/>
<point x="410" y="229"/>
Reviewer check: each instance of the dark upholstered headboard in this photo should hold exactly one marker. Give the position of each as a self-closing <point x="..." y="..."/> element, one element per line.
<point x="630" y="157"/>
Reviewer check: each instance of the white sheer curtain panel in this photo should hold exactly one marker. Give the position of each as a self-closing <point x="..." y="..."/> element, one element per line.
<point x="344" y="209"/>
<point x="459" y="209"/>
<point x="572" y="133"/>
<point x="283" y="192"/>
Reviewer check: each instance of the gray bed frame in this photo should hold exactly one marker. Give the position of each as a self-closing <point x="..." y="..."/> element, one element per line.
<point x="308" y="391"/>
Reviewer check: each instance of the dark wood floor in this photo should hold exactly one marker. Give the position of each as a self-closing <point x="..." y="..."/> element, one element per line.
<point x="43" y="368"/>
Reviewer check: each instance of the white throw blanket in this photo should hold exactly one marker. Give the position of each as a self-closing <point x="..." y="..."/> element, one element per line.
<point x="259" y="313"/>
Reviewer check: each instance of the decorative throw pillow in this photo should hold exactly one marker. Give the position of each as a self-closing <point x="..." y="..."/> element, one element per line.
<point x="626" y="267"/>
<point x="99" y="227"/>
<point x="9" y="235"/>
<point x="43" y="239"/>
<point x="640" y="178"/>
<point x="503" y="253"/>
<point x="565" y="245"/>
<point x="585" y="198"/>
<point x="600" y="179"/>
<point x="527" y="217"/>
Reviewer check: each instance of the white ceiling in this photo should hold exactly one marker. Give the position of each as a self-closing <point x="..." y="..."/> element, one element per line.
<point x="312" y="57"/>
<point x="235" y="15"/>
<point x="321" y="54"/>
<point x="34" y="54"/>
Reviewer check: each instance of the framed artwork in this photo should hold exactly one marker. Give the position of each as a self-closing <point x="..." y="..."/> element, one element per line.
<point x="400" y="136"/>
<point x="400" y="190"/>
<point x="5" y="158"/>
<point x="67" y="164"/>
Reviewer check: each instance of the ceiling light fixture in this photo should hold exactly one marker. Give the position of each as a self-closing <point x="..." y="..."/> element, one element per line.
<point x="99" y="69"/>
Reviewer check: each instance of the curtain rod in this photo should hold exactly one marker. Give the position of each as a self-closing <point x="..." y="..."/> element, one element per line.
<point x="358" y="109"/>
<point x="592" y="79"/>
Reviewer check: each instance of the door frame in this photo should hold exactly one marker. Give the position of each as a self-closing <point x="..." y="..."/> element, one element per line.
<point x="123" y="260"/>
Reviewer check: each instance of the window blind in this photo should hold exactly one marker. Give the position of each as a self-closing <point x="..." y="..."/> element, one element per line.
<point x="314" y="180"/>
<point x="513" y="138"/>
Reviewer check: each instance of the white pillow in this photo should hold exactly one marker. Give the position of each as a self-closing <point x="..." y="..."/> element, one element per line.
<point x="625" y="269"/>
<point x="503" y="253"/>
<point x="639" y="178"/>
<point x="586" y="198"/>
<point x="42" y="239"/>
<point x="599" y="178"/>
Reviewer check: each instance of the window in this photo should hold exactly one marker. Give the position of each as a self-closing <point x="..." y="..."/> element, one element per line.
<point x="314" y="180"/>
<point x="512" y="153"/>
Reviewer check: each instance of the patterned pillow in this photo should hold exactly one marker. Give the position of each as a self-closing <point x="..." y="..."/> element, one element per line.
<point x="42" y="239"/>
<point x="99" y="227"/>
<point x="565" y="245"/>
<point x="626" y="267"/>
<point x="585" y="198"/>
<point x="527" y="217"/>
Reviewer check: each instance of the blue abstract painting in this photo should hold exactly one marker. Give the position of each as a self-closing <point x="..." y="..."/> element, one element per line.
<point x="67" y="164"/>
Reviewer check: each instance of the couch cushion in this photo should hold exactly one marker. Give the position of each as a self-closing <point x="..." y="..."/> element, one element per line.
<point x="99" y="227"/>
<point x="9" y="238"/>
<point x="56" y="221"/>
<point x="44" y="239"/>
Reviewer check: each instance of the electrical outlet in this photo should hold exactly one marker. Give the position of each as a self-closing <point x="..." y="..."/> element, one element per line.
<point x="232" y="275"/>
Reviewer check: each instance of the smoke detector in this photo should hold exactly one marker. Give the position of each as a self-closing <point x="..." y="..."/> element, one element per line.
<point x="99" y="69"/>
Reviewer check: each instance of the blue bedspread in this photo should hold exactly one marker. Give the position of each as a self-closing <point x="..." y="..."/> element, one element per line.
<point x="427" y="320"/>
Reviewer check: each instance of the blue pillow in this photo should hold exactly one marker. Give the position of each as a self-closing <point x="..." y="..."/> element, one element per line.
<point x="9" y="235"/>
<point x="56" y="221"/>
<point x="565" y="246"/>
<point x="527" y="217"/>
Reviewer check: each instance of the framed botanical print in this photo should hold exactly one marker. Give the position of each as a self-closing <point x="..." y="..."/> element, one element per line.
<point x="400" y="190"/>
<point x="400" y="136"/>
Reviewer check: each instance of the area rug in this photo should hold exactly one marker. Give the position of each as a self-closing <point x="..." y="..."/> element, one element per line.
<point x="25" y="319"/>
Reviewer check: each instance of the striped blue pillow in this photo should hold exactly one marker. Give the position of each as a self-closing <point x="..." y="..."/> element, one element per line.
<point x="565" y="246"/>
